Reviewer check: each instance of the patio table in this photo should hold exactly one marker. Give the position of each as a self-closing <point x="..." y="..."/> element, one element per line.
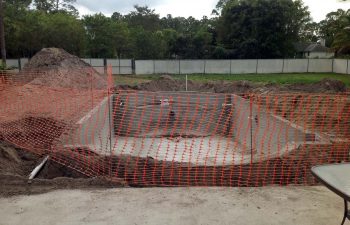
<point x="336" y="177"/>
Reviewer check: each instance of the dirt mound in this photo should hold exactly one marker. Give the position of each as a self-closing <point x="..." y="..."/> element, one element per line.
<point x="167" y="83"/>
<point x="164" y="83"/>
<point x="55" y="67"/>
<point x="324" y="86"/>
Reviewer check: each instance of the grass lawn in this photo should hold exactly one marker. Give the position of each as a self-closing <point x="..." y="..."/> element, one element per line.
<point x="259" y="78"/>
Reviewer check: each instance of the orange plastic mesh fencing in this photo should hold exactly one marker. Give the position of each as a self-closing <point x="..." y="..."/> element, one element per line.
<point x="177" y="138"/>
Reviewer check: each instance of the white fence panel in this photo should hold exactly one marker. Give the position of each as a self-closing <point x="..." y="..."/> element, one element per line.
<point x="126" y="63"/>
<point x="320" y="66"/>
<point x="295" y="66"/>
<point x="125" y="70"/>
<point x="97" y="62"/>
<point x="167" y="66"/>
<point x="218" y="66"/>
<point x="113" y="62"/>
<point x="243" y="66"/>
<point x="144" y="67"/>
<point x="340" y="66"/>
<point x="192" y="66"/>
<point x="270" y="65"/>
<point x="24" y="62"/>
<point x="12" y="63"/>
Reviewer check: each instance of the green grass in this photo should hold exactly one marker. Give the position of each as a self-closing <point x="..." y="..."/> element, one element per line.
<point x="283" y="79"/>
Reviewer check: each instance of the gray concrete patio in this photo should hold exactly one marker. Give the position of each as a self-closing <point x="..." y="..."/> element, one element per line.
<point x="265" y="206"/>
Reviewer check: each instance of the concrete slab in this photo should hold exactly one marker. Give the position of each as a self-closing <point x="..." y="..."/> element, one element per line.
<point x="264" y="206"/>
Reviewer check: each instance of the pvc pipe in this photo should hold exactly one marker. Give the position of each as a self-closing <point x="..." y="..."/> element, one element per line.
<point x="38" y="168"/>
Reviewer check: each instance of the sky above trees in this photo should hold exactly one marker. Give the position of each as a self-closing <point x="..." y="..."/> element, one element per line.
<point x="194" y="8"/>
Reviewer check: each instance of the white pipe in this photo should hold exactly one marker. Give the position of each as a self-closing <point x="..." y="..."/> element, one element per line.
<point x="38" y="168"/>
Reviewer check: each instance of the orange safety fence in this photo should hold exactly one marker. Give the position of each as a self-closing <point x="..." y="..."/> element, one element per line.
<point x="177" y="138"/>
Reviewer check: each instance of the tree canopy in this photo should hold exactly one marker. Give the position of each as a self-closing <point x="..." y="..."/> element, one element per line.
<point x="237" y="29"/>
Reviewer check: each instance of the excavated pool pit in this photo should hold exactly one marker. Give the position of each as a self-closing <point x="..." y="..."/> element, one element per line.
<point x="186" y="127"/>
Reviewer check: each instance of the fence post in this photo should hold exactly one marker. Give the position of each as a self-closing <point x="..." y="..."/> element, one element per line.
<point x="347" y="66"/>
<point x="133" y="66"/>
<point x="257" y="65"/>
<point x="283" y="66"/>
<point x="19" y="64"/>
<point x="179" y="66"/>
<point x="105" y="65"/>
<point x="110" y="119"/>
<point x="205" y="64"/>
<point x="308" y="65"/>
<point x="230" y="66"/>
<point x="251" y="128"/>
<point x="333" y="65"/>
<point x="154" y="66"/>
<point x="119" y="67"/>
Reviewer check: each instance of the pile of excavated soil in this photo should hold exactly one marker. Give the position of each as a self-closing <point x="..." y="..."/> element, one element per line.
<point x="324" y="86"/>
<point x="16" y="165"/>
<point x="167" y="83"/>
<point x="54" y="67"/>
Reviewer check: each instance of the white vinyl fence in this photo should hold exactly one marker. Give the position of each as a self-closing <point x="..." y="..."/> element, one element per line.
<point x="259" y="66"/>
<point x="119" y="66"/>
<point x="251" y="66"/>
<point x="17" y="64"/>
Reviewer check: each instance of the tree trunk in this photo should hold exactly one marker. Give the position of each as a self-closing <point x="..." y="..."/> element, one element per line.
<point x="2" y="34"/>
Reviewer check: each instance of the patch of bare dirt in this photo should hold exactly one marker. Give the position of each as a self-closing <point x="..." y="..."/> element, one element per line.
<point x="324" y="86"/>
<point x="167" y="83"/>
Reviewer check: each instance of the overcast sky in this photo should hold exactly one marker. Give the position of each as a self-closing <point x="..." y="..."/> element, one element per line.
<point x="195" y="8"/>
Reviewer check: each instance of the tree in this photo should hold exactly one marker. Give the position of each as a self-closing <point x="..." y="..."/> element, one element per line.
<point x="62" y="30"/>
<point x="51" y="6"/>
<point x="120" y="38"/>
<point x="147" y="44"/>
<point x="334" y="23"/>
<point x="117" y="16"/>
<point x="18" y="3"/>
<point x="249" y="29"/>
<point x="341" y="42"/>
<point x="2" y="34"/>
<point x="143" y="17"/>
<point x="310" y="32"/>
<point x="106" y="36"/>
<point x="100" y="38"/>
<point x="169" y="38"/>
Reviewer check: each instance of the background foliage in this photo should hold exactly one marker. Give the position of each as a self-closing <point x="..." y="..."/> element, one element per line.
<point x="237" y="29"/>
